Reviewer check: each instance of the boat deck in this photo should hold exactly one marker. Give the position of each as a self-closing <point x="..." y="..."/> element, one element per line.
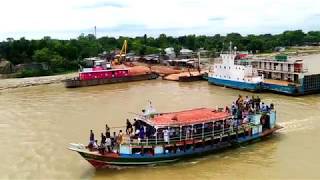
<point x="277" y="82"/>
<point x="178" y="76"/>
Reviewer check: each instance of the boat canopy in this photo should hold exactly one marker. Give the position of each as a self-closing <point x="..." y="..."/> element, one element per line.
<point x="188" y="117"/>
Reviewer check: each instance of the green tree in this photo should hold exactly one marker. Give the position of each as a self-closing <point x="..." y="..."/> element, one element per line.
<point x="53" y="59"/>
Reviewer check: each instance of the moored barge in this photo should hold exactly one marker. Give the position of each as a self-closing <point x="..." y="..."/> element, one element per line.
<point x="173" y="136"/>
<point x="107" y="77"/>
<point x="287" y="75"/>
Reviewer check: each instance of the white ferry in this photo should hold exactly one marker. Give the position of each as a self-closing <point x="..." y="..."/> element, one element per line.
<point x="235" y="72"/>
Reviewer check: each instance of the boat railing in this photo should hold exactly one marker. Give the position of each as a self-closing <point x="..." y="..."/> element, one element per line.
<point x="183" y="137"/>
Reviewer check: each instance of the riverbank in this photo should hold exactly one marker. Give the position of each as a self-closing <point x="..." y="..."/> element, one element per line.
<point x="311" y="61"/>
<point x="34" y="81"/>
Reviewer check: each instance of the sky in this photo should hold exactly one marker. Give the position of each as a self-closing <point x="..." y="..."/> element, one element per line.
<point x="65" y="19"/>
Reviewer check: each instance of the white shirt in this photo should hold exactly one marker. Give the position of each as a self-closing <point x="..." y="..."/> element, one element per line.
<point x="166" y="135"/>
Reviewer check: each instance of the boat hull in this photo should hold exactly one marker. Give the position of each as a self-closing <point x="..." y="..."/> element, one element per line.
<point x="74" y="83"/>
<point x="235" y="84"/>
<point x="191" y="78"/>
<point x="113" y="159"/>
<point x="289" y="90"/>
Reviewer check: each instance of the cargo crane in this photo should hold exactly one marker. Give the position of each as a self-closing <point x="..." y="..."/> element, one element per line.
<point x="119" y="58"/>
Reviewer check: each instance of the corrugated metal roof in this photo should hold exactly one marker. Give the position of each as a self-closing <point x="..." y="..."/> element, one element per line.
<point x="193" y="116"/>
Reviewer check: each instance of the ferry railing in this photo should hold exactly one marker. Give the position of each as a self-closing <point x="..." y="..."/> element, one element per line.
<point x="215" y="134"/>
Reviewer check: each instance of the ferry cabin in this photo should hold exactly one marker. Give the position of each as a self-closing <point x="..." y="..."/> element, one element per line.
<point x="235" y="73"/>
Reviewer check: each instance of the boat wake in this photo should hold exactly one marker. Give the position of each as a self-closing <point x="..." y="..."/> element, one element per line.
<point x="295" y="125"/>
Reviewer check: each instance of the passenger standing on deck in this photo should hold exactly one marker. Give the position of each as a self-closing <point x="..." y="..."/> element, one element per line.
<point x="95" y="145"/>
<point x="120" y="137"/>
<point x="262" y="106"/>
<point x="103" y="143"/>
<point x="239" y="101"/>
<point x="166" y="135"/>
<point x="107" y="128"/>
<point x="108" y="141"/>
<point x="227" y="109"/>
<point x="136" y="125"/>
<point x="129" y="127"/>
<point x="247" y="100"/>
<point x="234" y="108"/>
<point x="187" y="133"/>
<point x="141" y="133"/>
<point x="252" y="101"/>
<point x="91" y="140"/>
<point x="271" y="106"/>
<point x="258" y="100"/>
<point x="113" y="140"/>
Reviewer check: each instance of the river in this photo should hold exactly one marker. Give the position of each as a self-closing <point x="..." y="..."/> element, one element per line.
<point x="38" y="123"/>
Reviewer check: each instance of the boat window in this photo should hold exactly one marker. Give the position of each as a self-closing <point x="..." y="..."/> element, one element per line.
<point x="224" y="67"/>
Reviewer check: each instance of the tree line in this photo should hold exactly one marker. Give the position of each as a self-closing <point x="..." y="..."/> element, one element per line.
<point x="64" y="55"/>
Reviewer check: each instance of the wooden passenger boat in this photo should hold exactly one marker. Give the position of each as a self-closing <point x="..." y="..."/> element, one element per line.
<point x="183" y="134"/>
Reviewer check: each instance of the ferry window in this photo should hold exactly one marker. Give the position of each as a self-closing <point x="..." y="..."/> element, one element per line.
<point x="229" y="67"/>
<point x="224" y="67"/>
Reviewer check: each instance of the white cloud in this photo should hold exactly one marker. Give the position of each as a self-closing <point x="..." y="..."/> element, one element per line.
<point x="64" y="19"/>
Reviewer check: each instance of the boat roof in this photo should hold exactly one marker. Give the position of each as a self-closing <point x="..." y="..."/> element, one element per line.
<point x="189" y="117"/>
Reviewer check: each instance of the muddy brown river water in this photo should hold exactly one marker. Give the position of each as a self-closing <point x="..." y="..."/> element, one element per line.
<point x="37" y="123"/>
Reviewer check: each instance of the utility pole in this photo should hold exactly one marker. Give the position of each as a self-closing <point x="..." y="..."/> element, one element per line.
<point x="95" y="31"/>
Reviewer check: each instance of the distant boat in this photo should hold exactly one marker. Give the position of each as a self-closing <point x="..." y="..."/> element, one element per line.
<point x="235" y="73"/>
<point x="183" y="134"/>
<point x="103" y="72"/>
<point x="98" y="76"/>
